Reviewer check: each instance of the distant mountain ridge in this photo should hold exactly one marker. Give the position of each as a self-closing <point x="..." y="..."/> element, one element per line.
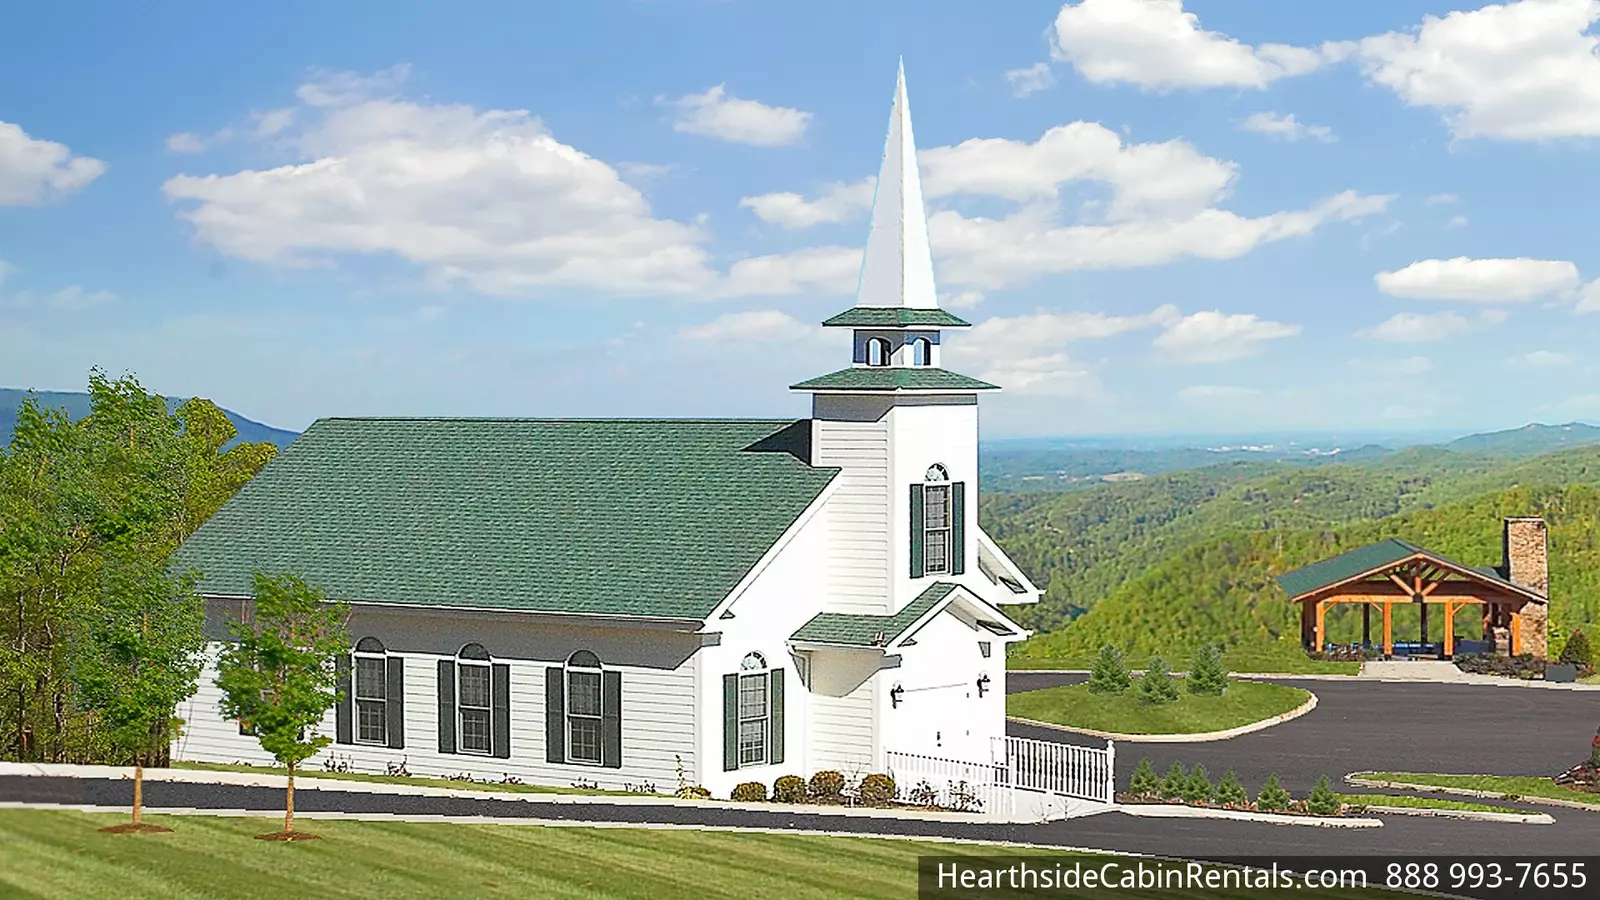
<point x="1529" y="440"/>
<point x="76" y="403"/>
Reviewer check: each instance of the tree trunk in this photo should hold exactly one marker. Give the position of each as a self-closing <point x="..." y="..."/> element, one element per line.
<point x="138" y="789"/>
<point x="288" y="810"/>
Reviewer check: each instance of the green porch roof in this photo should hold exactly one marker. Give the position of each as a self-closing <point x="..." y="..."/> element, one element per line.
<point x="1353" y="563"/>
<point x="599" y="517"/>
<point x="895" y="317"/>
<point x="893" y="378"/>
<point x="858" y="630"/>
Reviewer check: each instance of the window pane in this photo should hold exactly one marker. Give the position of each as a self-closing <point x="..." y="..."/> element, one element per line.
<point x="475" y="730"/>
<point x="583" y="693"/>
<point x="936" y="550"/>
<point x="585" y="739"/>
<point x="753" y="696"/>
<point x="473" y="685"/>
<point x="753" y="742"/>
<point x="371" y="722"/>
<point x="935" y="509"/>
<point x="370" y="678"/>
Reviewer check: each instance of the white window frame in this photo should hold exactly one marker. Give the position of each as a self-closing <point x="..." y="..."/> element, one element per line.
<point x="358" y="702"/>
<point x="463" y="663"/>
<point x="886" y="351"/>
<point x="571" y="668"/>
<point x="922" y="352"/>
<point x="754" y="674"/>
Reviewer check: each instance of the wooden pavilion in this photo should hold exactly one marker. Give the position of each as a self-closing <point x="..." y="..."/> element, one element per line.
<point x="1513" y="597"/>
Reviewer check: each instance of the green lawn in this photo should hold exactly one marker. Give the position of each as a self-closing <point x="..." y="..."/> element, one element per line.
<point x="390" y="779"/>
<point x="1270" y="659"/>
<point x="50" y="854"/>
<point x="1361" y="800"/>
<point x="1243" y="703"/>
<point x="1506" y="785"/>
<point x="1592" y="679"/>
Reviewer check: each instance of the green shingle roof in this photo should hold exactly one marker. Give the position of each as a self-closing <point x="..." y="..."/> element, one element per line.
<point x="1353" y="563"/>
<point x="857" y="630"/>
<point x="894" y="317"/>
<point x="893" y="378"/>
<point x="604" y="517"/>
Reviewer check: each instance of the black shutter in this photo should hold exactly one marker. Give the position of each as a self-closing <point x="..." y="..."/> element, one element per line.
<point x="341" y="713"/>
<point x="916" y="531"/>
<point x="500" y="708"/>
<point x="555" y="715"/>
<point x="958" y="528"/>
<point x="395" y="669"/>
<point x="447" y="706"/>
<point x="775" y="723"/>
<point x="611" y="720"/>
<point x="730" y="722"/>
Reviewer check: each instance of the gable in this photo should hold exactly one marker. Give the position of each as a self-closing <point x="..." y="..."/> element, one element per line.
<point x="599" y="517"/>
<point x="1375" y="557"/>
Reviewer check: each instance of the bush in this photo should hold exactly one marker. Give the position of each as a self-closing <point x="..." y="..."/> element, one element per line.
<point x="1273" y="798"/>
<point x="1172" y="783"/>
<point x="789" y="789"/>
<point x="1206" y="673"/>
<point x="1144" y="782"/>
<point x="1197" y="788"/>
<point x="1323" y="801"/>
<point x="1524" y="666"/>
<point x="693" y="792"/>
<point x="1156" y="686"/>
<point x="1109" y="675"/>
<point x="750" y="792"/>
<point x="875" y="790"/>
<point x="826" y="785"/>
<point x="1230" y="793"/>
<point x="1577" y="650"/>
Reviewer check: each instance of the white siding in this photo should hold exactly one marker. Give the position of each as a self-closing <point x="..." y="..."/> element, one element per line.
<point x="940" y="712"/>
<point x="843" y="728"/>
<point x="858" y="540"/>
<point x="921" y="434"/>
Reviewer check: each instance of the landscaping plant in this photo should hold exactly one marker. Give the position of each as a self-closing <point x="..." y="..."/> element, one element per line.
<point x="1157" y="686"/>
<point x="749" y="792"/>
<point x="278" y="674"/>
<point x="1323" y="801"/>
<point x="875" y="790"/>
<point x="1144" y="783"/>
<point x="1273" y="798"/>
<point x="136" y="654"/>
<point x="1197" y="788"/>
<point x="1207" y="675"/>
<point x="1230" y="793"/>
<point x="1173" y="782"/>
<point x="789" y="789"/>
<point x="1109" y="675"/>
<point x="1577" y="651"/>
<point x="826" y="786"/>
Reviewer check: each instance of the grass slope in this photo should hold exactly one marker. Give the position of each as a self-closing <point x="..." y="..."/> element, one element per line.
<point x="1222" y="590"/>
<point x="1244" y="703"/>
<point x="49" y="854"/>
<point x="1362" y="801"/>
<point x="1507" y="786"/>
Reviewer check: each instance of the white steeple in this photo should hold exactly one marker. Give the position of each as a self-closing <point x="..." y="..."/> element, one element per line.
<point x="898" y="268"/>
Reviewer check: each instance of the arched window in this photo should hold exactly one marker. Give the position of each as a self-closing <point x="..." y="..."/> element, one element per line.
<point x="475" y="699"/>
<point x="936" y="521"/>
<point x="585" y="708"/>
<point x="753" y="713"/>
<point x="371" y="692"/>
<point x="937" y="472"/>
<point x="877" y="351"/>
<point x="922" y="352"/>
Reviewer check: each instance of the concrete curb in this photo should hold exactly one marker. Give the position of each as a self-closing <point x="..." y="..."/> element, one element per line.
<point x="305" y="782"/>
<point x="1174" y="811"/>
<point x="1355" y="778"/>
<point x="1515" y="818"/>
<point x="1201" y="737"/>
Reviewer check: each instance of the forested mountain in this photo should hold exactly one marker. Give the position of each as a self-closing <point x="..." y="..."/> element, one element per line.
<point x="76" y="403"/>
<point x="1081" y="547"/>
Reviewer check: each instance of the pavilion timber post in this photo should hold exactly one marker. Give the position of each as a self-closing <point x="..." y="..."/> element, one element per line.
<point x="1449" y="629"/>
<point x="1388" y="629"/>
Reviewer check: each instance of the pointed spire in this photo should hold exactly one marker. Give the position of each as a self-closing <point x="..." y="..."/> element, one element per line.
<point x="898" y="267"/>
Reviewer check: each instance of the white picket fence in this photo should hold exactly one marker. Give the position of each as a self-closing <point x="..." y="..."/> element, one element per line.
<point x="1064" y="770"/>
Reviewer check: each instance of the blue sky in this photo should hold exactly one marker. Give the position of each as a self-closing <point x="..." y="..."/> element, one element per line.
<point x="613" y="208"/>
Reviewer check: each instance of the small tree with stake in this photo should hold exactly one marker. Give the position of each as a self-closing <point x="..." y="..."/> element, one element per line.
<point x="278" y="674"/>
<point x="136" y="654"/>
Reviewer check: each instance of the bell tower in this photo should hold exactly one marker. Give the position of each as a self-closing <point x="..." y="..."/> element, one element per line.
<point x="902" y="429"/>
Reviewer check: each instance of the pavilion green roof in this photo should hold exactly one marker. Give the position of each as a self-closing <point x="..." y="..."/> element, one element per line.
<point x="1373" y="558"/>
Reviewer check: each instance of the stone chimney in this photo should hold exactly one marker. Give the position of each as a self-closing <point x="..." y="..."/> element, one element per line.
<point x="1527" y="562"/>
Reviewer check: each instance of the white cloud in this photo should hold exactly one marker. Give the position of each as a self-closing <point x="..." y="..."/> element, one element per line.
<point x="1485" y="280"/>
<point x="73" y="298"/>
<point x="35" y="171"/>
<point x="1589" y="298"/>
<point x="717" y="114"/>
<point x="759" y="325"/>
<point x="839" y="202"/>
<point x="1053" y="374"/>
<point x="1437" y="199"/>
<point x="1155" y="44"/>
<point x="1026" y="354"/>
<point x="1213" y="336"/>
<point x="1524" y="70"/>
<point x="1286" y="127"/>
<point x="1416" y="328"/>
<point x="1544" y="359"/>
<point x="1387" y="368"/>
<point x="1458" y="221"/>
<point x="832" y="270"/>
<point x="960" y="299"/>
<point x="1028" y="80"/>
